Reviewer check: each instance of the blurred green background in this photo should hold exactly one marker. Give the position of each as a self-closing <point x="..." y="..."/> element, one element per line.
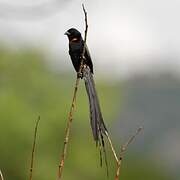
<point x="30" y="87"/>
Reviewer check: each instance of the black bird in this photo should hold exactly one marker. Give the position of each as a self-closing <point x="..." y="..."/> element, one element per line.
<point x="76" y="44"/>
<point x="75" y="49"/>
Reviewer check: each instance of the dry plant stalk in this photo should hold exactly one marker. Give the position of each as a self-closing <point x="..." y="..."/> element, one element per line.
<point x="85" y="33"/>
<point x="112" y="147"/>
<point x="123" y="150"/>
<point x="1" y="175"/>
<point x="33" y="149"/>
<point x="72" y="109"/>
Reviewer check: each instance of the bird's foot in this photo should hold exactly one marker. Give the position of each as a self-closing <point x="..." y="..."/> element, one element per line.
<point x="80" y="75"/>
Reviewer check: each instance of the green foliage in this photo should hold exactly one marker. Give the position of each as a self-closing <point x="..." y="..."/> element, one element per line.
<point x="28" y="88"/>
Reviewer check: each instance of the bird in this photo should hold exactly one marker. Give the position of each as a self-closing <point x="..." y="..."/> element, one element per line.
<point x="76" y="44"/>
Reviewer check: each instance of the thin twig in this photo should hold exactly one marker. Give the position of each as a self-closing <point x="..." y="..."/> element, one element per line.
<point x="72" y="109"/>
<point x="112" y="147"/>
<point x="85" y="33"/>
<point x="1" y="175"/>
<point x="67" y="131"/>
<point x="123" y="150"/>
<point x="33" y="149"/>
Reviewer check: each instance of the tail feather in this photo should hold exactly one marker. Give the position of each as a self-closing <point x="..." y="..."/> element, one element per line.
<point x="105" y="155"/>
<point x="93" y="114"/>
<point x="97" y="124"/>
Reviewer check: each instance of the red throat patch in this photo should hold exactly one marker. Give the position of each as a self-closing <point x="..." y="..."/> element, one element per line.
<point x="75" y="40"/>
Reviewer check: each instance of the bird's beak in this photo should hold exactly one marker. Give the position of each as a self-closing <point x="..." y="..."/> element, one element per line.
<point x="67" y="33"/>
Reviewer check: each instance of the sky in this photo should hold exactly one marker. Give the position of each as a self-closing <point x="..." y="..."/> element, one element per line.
<point x="124" y="37"/>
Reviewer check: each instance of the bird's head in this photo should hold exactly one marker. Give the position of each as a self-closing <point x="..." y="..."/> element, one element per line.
<point x="73" y="35"/>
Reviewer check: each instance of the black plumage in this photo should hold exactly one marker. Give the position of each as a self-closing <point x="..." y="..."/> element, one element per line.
<point x="76" y="44"/>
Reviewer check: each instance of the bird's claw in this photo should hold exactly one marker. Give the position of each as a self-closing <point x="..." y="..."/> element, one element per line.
<point x="80" y="75"/>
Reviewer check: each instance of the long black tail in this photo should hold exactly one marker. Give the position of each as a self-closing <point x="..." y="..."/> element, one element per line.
<point x="97" y="124"/>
